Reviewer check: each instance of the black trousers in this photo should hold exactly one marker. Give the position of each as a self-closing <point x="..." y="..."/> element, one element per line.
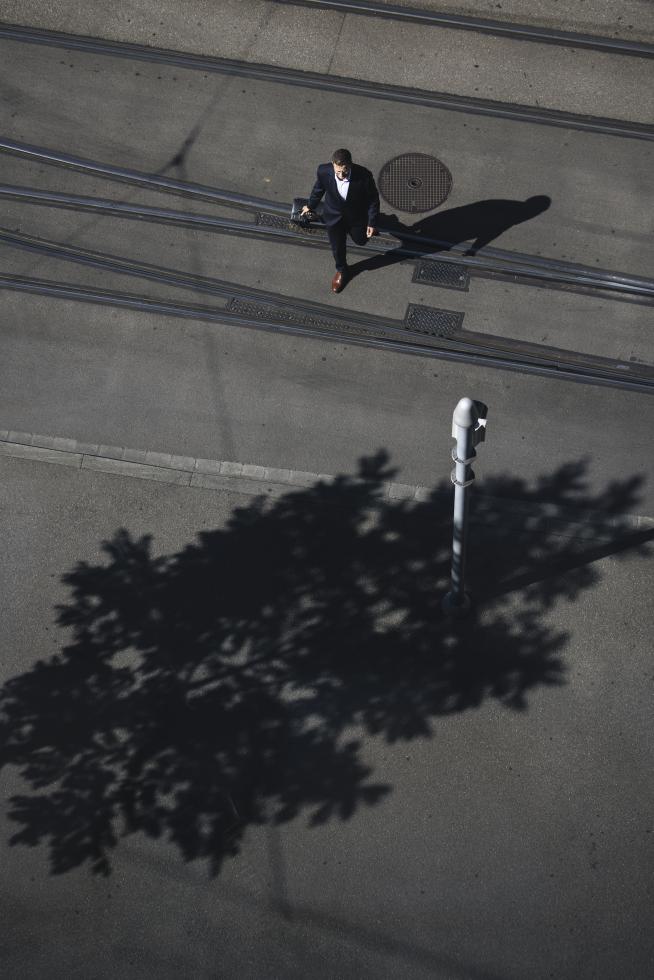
<point x="338" y="238"/>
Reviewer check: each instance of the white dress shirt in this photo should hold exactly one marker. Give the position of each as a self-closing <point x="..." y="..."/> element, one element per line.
<point x="343" y="185"/>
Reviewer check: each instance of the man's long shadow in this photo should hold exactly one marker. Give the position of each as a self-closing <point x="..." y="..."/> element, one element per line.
<point x="479" y="223"/>
<point x="218" y="688"/>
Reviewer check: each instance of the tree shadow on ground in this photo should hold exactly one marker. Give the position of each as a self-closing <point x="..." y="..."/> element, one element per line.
<point x="231" y="684"/>
<point x="479" y="223"/>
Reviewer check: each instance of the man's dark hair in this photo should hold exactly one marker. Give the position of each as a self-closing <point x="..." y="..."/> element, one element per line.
<point x="341" y="157"/>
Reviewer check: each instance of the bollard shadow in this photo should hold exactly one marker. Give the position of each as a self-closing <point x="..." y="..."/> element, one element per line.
<point x="234" y="683"/>
<point x="479" y="223"/>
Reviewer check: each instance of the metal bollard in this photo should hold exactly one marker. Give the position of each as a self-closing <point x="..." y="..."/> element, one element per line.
<point x="469" y="429"/>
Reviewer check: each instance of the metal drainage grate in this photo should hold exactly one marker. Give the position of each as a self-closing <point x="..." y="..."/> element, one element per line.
<point x="261" y="311"/>
<point x="277" y="221"/>
<point x="436" y="323"/>
<point x="276" y="314"/>
<point x="414" y="182"/>
<point x="444" y="274"/>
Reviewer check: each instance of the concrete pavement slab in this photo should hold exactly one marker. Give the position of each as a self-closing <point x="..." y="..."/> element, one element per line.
<point x="631" y="19"/>
<point x="37" y="453"/>
<point x="137" y="19"/>
<point x="137" y="470"/>
<point x="439" y="59"/>
<point x="249" y="30"/>
<point x="498" y="68"/>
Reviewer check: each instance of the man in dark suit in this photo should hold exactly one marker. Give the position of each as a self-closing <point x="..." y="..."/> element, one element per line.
<point x="351" y="206"/>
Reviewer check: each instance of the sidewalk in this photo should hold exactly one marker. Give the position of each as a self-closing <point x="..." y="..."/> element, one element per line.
<point x="490" y="818"/>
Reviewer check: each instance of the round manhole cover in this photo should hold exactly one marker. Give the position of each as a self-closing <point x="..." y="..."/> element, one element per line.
<point x="414" y="182"/>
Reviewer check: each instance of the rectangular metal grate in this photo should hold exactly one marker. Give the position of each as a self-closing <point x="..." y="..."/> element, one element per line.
<point x="278" y="221"/>
<point x="436" y="323"/>
<point x="282" y="314"/>
<point x="447" y="275"/>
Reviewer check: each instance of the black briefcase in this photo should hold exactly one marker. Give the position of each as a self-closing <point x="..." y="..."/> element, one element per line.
<point x="304" y="220"/>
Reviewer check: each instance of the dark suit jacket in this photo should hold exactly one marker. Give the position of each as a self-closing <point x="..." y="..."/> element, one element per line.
<point x="362" y="204"/>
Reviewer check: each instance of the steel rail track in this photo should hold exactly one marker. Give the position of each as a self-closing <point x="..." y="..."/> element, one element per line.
<point x="126" y="175"/>
<point x="250" y="203"/>
<point x="286" y="306"/>
<point x="346" y="326"/>
<point x="523" y="32"/>
<point x="79" y="202"/>
<point x="331" y="83"/>
<point x="319" y="313"/>
<point x="176" y="277"/>
<point x="492" y="261"/>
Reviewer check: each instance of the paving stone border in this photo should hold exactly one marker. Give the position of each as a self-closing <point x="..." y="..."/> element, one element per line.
<point x="248" y="478"/>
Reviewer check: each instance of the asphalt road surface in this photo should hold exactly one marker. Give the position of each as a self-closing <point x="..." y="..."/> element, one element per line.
<point x="484" y="816"/>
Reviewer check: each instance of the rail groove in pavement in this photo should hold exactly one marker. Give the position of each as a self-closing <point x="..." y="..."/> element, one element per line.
<point x="504" y="28"/>
<point x="513" y="266"/>
<point x="493" y="260"/>
<point x="330" y="83"/>
<point x="462" y="346"/>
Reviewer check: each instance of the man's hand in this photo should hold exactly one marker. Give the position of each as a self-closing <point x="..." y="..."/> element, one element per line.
<point x="306" y="210"/>
<point x="370" y="231"/>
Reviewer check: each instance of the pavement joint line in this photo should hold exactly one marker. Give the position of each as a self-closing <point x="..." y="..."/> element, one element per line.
<point x="249" y="478"/>
<point x="20" y="450"/>
<point x="539" y="33"/>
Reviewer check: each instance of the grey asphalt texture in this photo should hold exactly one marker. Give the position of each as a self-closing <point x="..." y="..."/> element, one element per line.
<point x="421" y="797"/>
<point x="510" y="840"/>
<point x="630" y="20"/>
<point x="442" y="60"/>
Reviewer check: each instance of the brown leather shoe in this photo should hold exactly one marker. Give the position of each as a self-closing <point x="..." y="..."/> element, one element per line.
<point x="338" y="282"/>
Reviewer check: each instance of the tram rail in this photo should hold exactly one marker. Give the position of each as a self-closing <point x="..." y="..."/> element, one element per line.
<point x="275" y="312"/>
<point x="482" y="25"/>
<point x="330" y="83"/>
<point x="518" y="267"/>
